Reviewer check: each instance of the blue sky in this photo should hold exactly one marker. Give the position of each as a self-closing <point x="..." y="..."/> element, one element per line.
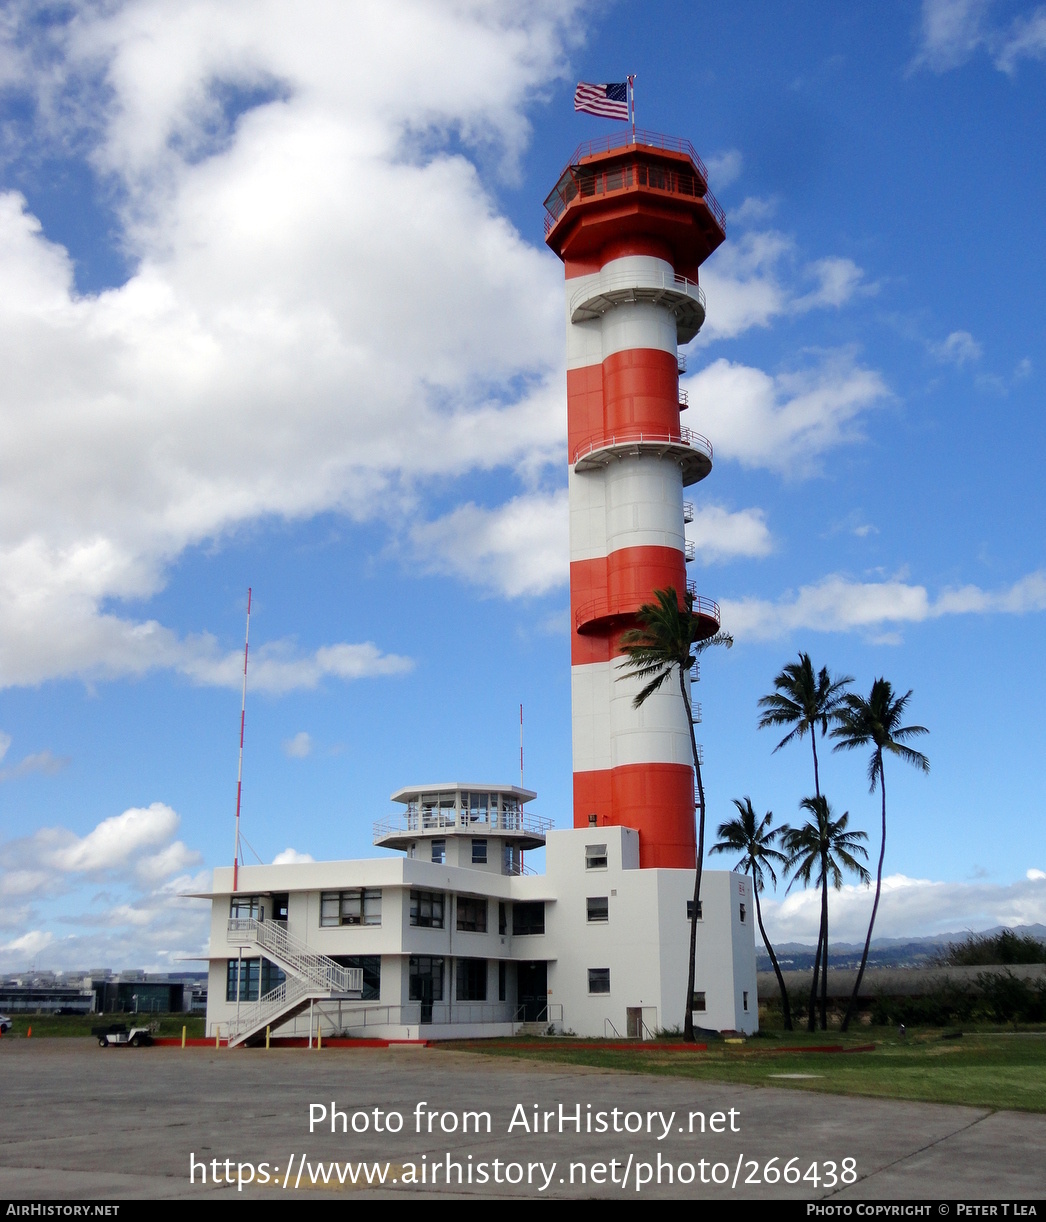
<point x="277" y="312"/>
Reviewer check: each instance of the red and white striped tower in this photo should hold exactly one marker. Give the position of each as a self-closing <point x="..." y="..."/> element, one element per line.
<point x="632" y="220"/>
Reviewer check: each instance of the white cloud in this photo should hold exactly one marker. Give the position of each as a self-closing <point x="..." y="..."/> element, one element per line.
<point x="39" y="761"/>
<point x="5" y="742"/>
<point x="723" y="168"/>
<point x="299" y="747"/>
<point x="838" y="604"/>
<point x="755" y="278"/>
<point x="50" y="879"/>
<point x="952" y="31"/>
<point x="752" y="209"/>
<point x="518" y="548"/>
<point x="1034" y="875"/>
<point x="291" y="857"/>
<point x="719" y="534"/>
<point x="909" y="907"/>
<point x="29" y="945"/>
<point x="326" y="311"/>
<point x="783" y="422"/>
<point x="957" y="349"/>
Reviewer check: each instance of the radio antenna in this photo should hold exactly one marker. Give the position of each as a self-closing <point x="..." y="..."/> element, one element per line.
<point x="239" y="773"/>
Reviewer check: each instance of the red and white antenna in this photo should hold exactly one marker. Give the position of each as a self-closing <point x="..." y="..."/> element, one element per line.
<point x="239" y="773"/>
<point x="521" y="746"/>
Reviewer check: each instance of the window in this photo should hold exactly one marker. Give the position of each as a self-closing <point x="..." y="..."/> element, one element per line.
<point x="472" y="914"/>
<point x="426" y="978"/>
<point x="246" y="908"/>
<point x="426" y="911"/>
<point x="471" y="979"/>
<point x="479" y="852"/>
<point x="598" y="909"/>
<point x="743" y="914"/>
<point x="252" y="973"/>
<point x="439" y="851"/>
<point x="511" y="861"/>
<point x="698" y="1003"/>
<point x="502" y="917"/>
<point x="744" y="1000"/>
<point x="595" y="856"/>
<point x="528" y="918"/>
<point x="690" y="910"/>
<point x="359" y="907"/>
<point x="599" y="980"/>
<point x="502" y="982"/>
<point x="371" y="965"/>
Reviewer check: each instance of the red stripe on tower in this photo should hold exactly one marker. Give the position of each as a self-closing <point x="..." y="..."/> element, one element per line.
<point x="632" y="225"/>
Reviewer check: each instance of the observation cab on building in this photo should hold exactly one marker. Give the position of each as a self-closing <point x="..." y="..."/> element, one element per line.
<point x="476" y="827"/>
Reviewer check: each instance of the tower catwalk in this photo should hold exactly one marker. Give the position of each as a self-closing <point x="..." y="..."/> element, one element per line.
<point x="632" y="220"/>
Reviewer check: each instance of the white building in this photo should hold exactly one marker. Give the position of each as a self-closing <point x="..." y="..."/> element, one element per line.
<point x="453" y="938"/>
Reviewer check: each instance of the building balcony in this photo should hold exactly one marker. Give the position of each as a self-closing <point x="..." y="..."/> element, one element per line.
<point x="600" y="613"/>
<point x="692" y="451"/>
<point x="683" y="297"/>
<point x="520" y="826"/>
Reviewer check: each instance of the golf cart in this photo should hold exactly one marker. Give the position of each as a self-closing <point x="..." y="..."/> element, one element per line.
<point x="117" y="1034"/>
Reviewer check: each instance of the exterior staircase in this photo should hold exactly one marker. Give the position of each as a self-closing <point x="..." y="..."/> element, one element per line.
<point x="310" y="977"/>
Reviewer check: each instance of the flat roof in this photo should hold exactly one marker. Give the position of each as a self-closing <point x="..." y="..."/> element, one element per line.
<point x="416" y="791"/>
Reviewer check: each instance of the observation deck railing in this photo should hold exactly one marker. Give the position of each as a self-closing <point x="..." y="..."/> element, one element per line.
<point x="685" y="437"/>
<point x="585" y="182"/>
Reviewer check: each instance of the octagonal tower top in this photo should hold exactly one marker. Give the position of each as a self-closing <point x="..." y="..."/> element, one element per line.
<point x="644" y="193"/>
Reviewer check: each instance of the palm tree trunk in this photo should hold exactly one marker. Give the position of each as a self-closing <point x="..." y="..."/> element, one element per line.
<point x="824" y="961"/>
<point x="811" y="1017"/>
<point x="851" y="1005"/>
<point x="688" y="1020"/>
<point x="822" y="948"/>
<point x="786" y="1009"/>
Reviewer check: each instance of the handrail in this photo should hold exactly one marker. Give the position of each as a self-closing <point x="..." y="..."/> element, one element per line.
<point x="684" y="399"/>
<point x="319" y="970"/>
<point x="285" y="995"/>
<point x="638" y="282"/>
<point x="413" y="821"/>
<point x="686" y="437"/>
<point x="625" y="140"/>
<point x="601" y="608"/>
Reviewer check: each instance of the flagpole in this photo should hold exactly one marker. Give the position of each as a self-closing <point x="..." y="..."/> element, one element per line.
<point x="632" y="95"/>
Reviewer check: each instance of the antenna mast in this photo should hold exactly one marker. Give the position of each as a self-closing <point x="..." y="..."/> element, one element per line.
<point x="521" y="746"/>
<point x="239" y="773"/>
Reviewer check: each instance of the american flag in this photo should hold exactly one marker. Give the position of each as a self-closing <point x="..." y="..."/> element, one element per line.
<point x="610" y="101"/>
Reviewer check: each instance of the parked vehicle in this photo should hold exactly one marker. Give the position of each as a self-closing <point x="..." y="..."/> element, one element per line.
<point x="5" y="1023"/>
<point x="117" y="1034"/>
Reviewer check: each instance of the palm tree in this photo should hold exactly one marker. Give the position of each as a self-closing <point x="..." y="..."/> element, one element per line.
<point x="802" y="701"/>
<point x="822" y="850"/>
<point x="668" y="640"/>
<point x="876" y="722"/>
<point x="755" y="844"/>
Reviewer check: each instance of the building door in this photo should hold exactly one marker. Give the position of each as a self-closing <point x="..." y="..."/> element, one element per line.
<point x="532" y="991"/>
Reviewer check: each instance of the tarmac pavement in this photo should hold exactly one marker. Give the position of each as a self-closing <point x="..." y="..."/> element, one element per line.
<point x="81" y="1122"/>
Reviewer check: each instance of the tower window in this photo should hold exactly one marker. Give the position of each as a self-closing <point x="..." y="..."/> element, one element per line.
<point x="472" y="915"/>
<point x="426" y="909"/>
<point x="690" y="910"/>
<point x="599" y="980"/>
<point x="595" y="856"/>
<point x="598" y="909"/>
<point x="439" y="851"/>
<point x="479" y="852"/>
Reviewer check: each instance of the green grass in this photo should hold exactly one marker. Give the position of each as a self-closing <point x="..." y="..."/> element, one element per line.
<point x="994" y="1069"/>
<point x="46" y="1026"/>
